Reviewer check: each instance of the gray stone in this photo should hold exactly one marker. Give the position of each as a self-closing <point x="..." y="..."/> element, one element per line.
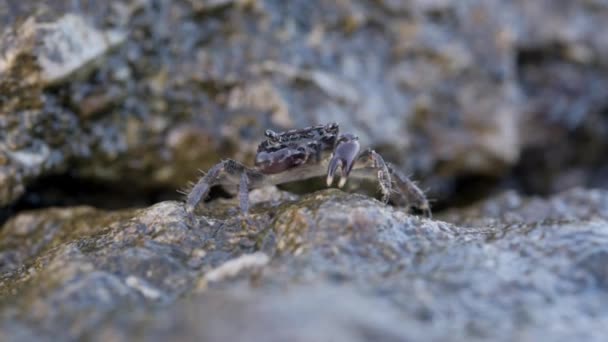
<point x="137" y="95"/>
<point x="325" y="266"/>
<point x="442" y="88"/>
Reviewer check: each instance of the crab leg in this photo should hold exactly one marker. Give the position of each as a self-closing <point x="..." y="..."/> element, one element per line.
<point x="410" y="194"/>
<point x="226" y="172"/>
<point x="370" y="164"/>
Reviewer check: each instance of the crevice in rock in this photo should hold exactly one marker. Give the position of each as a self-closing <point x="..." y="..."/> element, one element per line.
<point x="64" y="190"/>
<point x="565" y="122"/>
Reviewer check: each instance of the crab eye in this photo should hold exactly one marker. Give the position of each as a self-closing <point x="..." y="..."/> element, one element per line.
<point x="347" y="138"/>
<point x="331" y="128"/>
<point x="271" y="134"/>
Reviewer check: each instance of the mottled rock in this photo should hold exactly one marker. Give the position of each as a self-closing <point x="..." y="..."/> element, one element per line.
<point x="137" y="95"/>
<point x="510" y="207"/>
<point x="146" y="92"/>
<point x="39" y="134"/>
<point x="325" y="266"/>
<point x="561" y="63"/>
<point x="60" y="48"/>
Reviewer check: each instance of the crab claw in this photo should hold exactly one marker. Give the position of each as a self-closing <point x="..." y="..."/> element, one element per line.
<point x="331" y="170"/>
<point x="344" y="156"/>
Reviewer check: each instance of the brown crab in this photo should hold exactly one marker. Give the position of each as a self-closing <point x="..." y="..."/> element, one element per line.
<point x="305" y="153"/>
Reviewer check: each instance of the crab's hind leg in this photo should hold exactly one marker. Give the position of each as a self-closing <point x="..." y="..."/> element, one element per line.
<point x="409" y="194"/>
<point x="227" y="172"/>
<point x="405" y="192"/>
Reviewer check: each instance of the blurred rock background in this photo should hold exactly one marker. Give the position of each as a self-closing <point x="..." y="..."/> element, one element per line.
<point x="117" y="104"/>
<point x="467" y="96"/>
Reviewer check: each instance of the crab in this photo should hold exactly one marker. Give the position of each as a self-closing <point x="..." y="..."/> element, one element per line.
<point x="300" y="154"/>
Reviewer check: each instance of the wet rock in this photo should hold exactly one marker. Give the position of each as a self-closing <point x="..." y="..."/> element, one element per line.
<point x="324" y="266"/>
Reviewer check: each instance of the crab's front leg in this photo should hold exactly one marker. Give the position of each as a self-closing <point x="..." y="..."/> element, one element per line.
<point x="347" y="158"/>
<point x="227" y="172"/>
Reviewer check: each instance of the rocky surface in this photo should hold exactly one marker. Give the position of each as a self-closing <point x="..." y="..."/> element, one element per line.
<point x="116" y="104"/>
<point x="326" y="266"/>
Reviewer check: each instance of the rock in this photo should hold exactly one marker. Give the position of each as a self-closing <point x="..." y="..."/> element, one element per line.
<point x="324" y="266"/>
<point x="562" y="71"/>
<point x="60" y="48"/>
<point x="40" y="134"/>
<point x="135" y="96"/>
<point x="576" y="204"/>
<point x="444" y="89"/>
<point x="350" y="317"/>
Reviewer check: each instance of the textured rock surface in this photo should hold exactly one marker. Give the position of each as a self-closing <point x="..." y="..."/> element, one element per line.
<point x="442" y="88"/>
<point x="323" y="267"/>
<point x="123" y="99"/>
